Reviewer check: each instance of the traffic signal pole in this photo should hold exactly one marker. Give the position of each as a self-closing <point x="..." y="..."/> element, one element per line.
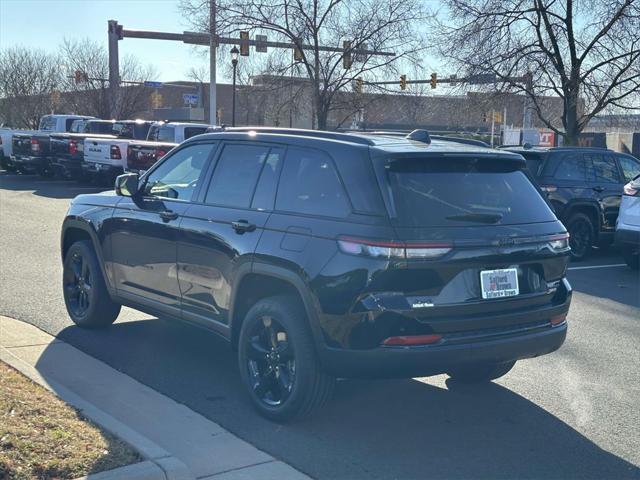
<point x="118" y="32"/>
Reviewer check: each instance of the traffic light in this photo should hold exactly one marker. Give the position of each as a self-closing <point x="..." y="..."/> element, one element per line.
<point x="359" y="84"/>
<point x="244" y="44"/>
<point x="434" y="80"/>
<point x="80" y="76"/>
<point x="297" y="51"/>
<point x="346" y="55"/>
<point x="403" y="82"/>
<point x="485" y="117"/>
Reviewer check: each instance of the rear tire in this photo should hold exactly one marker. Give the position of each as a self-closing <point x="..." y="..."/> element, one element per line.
<point x="632" y="258"/>
<point x="85" y="294"/>
<point x="481" y="373"/>
<point x="278" y="362"/>
<point x="46" y="171"/>
<point x="581" y="235"/>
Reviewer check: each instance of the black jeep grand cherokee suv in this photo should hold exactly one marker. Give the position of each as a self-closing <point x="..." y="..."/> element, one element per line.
<point x="321" y="255"/>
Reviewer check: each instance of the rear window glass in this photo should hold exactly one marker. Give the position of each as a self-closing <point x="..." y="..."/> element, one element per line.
<point x="47" y="123"/>
<point x="534" y="161"/>
<point x="460" y="192"/>
<point x="99" y="127"/>
<point x="193" y="131"/>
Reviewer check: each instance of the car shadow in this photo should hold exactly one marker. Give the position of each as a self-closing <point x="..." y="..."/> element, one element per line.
<point x="46" y="187"/>
<point x="370" y="429"/>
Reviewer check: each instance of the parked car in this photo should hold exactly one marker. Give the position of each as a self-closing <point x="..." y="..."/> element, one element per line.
<point x="323" y="256"/>
<point x="32" y="151"/>
<point x="628" y="224"/>
<point x="67" y="149"/>
<point x="6" y="147"/>
<point x="584" y="186"/>
<point x="106" y="157"/>
<point x="162" y="137"/>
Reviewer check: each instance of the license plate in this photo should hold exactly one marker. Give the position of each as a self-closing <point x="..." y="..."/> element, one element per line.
<point x="499" y="283"/>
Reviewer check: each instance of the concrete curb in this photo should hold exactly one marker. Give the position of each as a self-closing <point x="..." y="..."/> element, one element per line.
<point x="159" y="463"/>
<point x="176" y="442"/>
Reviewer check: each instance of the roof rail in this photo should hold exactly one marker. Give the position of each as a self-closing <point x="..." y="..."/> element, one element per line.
<point x="419" y="135"/>
<point x="465" y="141"/>
<point x="345" y="137"/>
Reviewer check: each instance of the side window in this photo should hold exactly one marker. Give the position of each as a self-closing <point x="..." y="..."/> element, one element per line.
<point x="165" y="134"/>
<point x="310" y="184"/>
<point x="193" y="131"/>
<point x="605" y="169"/>
<point x="265" y="193"/>
<point x="630" y="167"/>
<point x="153" y="133"/>
<point x="235" y="176"/>
<point x="572" y="166"/>
<point x="177" y="175"/>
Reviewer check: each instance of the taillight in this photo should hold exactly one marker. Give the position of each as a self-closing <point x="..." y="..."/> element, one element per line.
<point x="115" y="152"/>
<point x="559" y="242"/>
<point x="408" y="340"/>
<point x="632" y="188"/>
<point x="35" y="146"/>
<point x="73" y="147"/>
<point x="548" y="188"/>
<point x="393" y="249"/>
<point x="558" y="320"/>
<point x="160" y="154"/>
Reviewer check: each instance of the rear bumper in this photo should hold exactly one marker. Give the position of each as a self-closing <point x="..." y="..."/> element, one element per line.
<point x="95" y="168"/>
<point x="68" y="167"/>
<point x="28" y="162"/>
<point x="530" y="336"/>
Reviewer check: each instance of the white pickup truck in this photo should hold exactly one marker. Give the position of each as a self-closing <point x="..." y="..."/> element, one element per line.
<point x="163" y="136"/>
<point x="106" y="157"/>
<point x="6" y="147"/>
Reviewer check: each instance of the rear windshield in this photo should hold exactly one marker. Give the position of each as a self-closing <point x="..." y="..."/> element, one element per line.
<point x="136" y="131"/>
<point x="460" y="192"/>
<point x="99" y="127"/>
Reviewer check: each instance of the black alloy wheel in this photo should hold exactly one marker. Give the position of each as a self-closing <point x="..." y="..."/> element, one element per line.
<point x="78" y="285"/>
<point x="581" y="236"/>
<point x="271" y="362"/>
<point x="85" y="293"/>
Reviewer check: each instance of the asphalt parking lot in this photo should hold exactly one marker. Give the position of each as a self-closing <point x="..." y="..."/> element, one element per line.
<point x="572" y="414"/>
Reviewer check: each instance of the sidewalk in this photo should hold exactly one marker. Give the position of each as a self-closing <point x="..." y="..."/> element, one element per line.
<point x="176" y="442"/>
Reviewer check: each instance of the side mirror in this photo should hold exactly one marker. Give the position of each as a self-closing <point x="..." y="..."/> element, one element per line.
<point x="127" y="185"/>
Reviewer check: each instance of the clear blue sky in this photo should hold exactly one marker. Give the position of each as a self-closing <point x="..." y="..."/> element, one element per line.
<point x="45" y="23"/>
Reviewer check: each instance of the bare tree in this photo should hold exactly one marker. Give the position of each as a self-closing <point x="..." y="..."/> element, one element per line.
<point x="390" y="25"/>
<point x="585" y="52"/>
<point x="89" y="60"/>
<point x="28" y="80"/>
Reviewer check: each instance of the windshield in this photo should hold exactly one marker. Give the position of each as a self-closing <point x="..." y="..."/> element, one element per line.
<point x="457" y="192"/>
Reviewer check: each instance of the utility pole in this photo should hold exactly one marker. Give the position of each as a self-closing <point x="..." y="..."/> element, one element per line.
<point x="212" y="63"/>
<point x="115" y="34"/>
<point x="493" y="124"/>
<point x="527" y="121"/>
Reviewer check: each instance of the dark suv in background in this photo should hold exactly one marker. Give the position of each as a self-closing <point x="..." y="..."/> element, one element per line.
<point x="321" y="255"/>
<point x="584" y="186"/>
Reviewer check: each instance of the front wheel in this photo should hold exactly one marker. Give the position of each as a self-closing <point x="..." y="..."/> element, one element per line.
<point x="581" y="235"/>
<point x="85" y="294"/>
<point x="278" y="362"/>
<point x="481" y="373"/>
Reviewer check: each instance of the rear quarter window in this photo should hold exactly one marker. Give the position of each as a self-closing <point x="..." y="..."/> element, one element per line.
<point x="309" y="184"/>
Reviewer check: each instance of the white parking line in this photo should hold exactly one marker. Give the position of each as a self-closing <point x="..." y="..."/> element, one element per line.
<point x="598" y="266"/>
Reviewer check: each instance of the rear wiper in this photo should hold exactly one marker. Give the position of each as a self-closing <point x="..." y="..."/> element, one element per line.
<point x="477" y="217"/>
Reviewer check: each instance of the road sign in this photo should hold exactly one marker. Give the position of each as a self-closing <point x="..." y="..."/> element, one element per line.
<point x="190" y="98"/>
<point x="261" y="43"/>
<point x="149" y="83"/>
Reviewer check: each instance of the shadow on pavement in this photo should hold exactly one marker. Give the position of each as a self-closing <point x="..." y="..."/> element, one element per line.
<point x="620" y="284"/>
<point x="371" y="429"/>
<point x="46" y="187"/>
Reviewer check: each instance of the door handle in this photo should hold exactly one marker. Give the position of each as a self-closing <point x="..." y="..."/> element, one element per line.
<point x="168" y="215"/>
<point x="598" y="189"/>
<point x="242" y="226"/>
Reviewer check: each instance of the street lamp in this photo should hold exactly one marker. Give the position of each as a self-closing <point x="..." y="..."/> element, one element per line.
<point x="234" y="62"/>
